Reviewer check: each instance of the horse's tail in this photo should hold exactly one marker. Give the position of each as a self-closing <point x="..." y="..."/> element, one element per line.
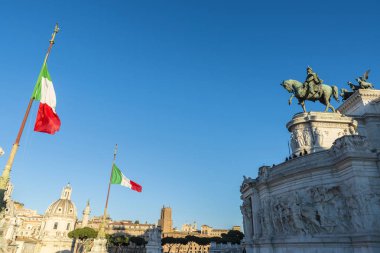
<point x="335" y="92"/>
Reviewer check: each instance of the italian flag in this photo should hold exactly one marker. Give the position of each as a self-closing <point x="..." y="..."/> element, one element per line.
<point x="118" y="178"/>
<point x="47" y="120"/>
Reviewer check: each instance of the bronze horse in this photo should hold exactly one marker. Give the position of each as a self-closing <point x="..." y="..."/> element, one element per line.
<point x="299" y="91"/>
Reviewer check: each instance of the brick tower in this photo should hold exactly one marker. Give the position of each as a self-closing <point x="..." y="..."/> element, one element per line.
<point x="165" y="221"/>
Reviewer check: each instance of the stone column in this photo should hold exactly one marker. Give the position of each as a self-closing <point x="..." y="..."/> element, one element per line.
<point x="246" y="210"/>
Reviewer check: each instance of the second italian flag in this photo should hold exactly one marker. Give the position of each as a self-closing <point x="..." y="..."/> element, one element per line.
<point x="47" y="120"/>
<point x="118" y="178"/>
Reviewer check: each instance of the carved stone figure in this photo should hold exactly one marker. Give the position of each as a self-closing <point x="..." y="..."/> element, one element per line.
<point x="350" y="143"/>
<point x="155" y="236"/>
<point x="318" y="137"/>
<point x="307" y="137"/>
<point x="297" y="214"/>
<point x="355" y="213"/>
<point x="264" y="171"/>
<point x="8" y="192"/>
<point x="246" y="210"/>
<point x="266" y="217"/>
<point x="299" y="138"/>
<point x="312" y="90"/>
<point x="293" y="142"/>
<point x="276" y="220"/>
<point x="353" y="130"/>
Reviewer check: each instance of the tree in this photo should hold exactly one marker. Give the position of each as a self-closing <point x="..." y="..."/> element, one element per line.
<point x="233" y="236"/>
<point x="118" y="240"/>
<point x="138" y="241"/>
<point x="170" y="241"/>
<point x="84" y="236"/>
<point x="181" y="241"/>
<point x="190" y="240"/>
<point x="217" y="239"/>
<point x="203" y="241"/>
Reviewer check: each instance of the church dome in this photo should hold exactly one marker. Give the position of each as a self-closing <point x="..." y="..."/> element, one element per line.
<point x="63" y="207"/>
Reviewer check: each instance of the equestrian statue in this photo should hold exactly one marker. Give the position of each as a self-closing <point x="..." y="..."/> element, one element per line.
<point x="312" y="89"/>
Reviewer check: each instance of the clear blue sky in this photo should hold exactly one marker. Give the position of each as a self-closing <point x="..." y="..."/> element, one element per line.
<point x="188" y="89"/>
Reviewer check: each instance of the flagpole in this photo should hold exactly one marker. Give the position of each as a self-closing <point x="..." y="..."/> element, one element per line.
<point x="4" y="179"/>
<point x="102" y="233"/>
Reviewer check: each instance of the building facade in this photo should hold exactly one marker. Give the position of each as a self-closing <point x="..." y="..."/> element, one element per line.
<point x="59" y="219"/>
<point x="187" y="230"/>
<point x="210" y="232"/>
<point x="30" y="232"/>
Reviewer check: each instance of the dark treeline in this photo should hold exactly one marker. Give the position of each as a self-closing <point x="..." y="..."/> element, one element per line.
<point x="232" y="236"/>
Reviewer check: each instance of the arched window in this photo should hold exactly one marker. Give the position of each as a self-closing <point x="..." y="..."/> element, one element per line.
<point x="55" y="225"/>
<point x="68" y="226"/>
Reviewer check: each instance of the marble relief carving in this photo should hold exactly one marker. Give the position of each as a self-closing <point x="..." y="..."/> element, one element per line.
<point x="316" y="131"/>
<point x="246" y="210"/>
<point x="350" y="143"/>
<point x="313" y="211"/>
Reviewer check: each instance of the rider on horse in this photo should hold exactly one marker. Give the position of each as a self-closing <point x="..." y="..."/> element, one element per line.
<point x="312" y="83"/>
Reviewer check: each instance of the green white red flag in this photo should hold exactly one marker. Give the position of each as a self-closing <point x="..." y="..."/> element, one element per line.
<point x="118" y="178"/>
<point x="47" y="120"/>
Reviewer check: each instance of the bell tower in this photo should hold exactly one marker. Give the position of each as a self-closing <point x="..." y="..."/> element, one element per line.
<point x="66" y="192"/>
<point x="165" y="221"/>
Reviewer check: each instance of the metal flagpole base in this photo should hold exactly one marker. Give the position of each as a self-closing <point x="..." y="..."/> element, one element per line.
<point x="100" y="246"/>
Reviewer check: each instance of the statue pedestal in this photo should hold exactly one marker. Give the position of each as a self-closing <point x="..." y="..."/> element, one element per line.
<point x="361" y="102"/>
<point x="154" y="241"/>
<point x="100" y="246"/>
<point x="316" y="131"/>
<point x="153" y="248"/>
<point x="364" y="106"/>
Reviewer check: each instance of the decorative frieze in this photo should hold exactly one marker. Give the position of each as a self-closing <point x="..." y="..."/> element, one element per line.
<point x="316" y="131"/>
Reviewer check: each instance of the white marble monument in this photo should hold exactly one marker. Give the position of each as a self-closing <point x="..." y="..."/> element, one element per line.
<point x="328" y="199"/>
<point x="154" y="241"/>
<point x="99" y="246"/>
